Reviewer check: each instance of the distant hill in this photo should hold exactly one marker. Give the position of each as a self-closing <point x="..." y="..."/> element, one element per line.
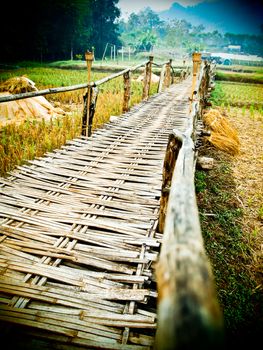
<point x="234" y="16"/>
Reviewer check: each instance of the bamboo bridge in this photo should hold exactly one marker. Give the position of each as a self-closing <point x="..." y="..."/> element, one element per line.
<point x="101" y="246"/>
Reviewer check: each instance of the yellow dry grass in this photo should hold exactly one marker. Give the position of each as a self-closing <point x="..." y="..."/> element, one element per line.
<point x="248" y="176"/>
<point x="223" y="135"/>
<point x="17" y="85"/>
<point x="20" y="110"/>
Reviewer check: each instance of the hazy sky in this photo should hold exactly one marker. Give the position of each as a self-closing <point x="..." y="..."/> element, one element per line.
<point x="128" y="6"/>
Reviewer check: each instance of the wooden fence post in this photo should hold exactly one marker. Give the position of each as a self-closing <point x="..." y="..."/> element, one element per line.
<point x="171" y="154"/>
<point x="147" y="79"/>
<point x="160" y="85"/>
<point x="167" y="80"/>
<point x="188" y="314"/>
<point x="196" y="68"/>
<point x="87" y="98"/>
<point x="127" y="91"/>
<point x="90" y="99"/>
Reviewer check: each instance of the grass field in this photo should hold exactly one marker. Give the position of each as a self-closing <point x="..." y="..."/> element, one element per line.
<point x="236" y="94"/>
<point x="33" y="138"/>
<point x="230" y="198"/>
<point x="252" y="76"/>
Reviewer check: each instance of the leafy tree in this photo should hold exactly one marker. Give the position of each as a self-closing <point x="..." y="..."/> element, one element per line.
<point x="104" y="25"/>
<point x="141" y="30"/>
<point x="57" y="29"/>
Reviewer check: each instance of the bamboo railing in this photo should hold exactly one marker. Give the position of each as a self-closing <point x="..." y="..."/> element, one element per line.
<point x="90" y="97"/>
<point x="188" y="312"/>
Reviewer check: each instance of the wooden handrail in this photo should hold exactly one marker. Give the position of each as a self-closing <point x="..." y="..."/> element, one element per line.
<point x="68" y="88"/>
<point x="89" y="103"/>
<point x="49" y="91"/>
<point x="188" y="313"/>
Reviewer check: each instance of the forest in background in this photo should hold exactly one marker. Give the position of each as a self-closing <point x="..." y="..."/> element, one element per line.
<point x="64" y="29"/>
<point x="57" y="29"/>
<point x="146" y="30"/>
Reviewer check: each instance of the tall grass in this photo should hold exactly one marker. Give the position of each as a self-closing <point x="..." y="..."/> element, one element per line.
<point x="32" y="138"/>
<point x="25" y="141"/>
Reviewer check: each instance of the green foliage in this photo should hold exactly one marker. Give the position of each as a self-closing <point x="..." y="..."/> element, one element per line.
<point x="229" y="250"/>
<point x="182" y="35"/>
<point x="79" y="57"/>
<point x="56" y="29"/>
<point x="141" y="30"/>
<point x="228" y="244"/>
<point x="252" y="78"/>
<point x="200" y="184"/>
<point x="239" y="95"/>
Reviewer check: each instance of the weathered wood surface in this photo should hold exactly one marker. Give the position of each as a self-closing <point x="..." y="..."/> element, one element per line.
<point x="127" y="92"/>
<point x="49" y="91"/>
<point x="189" y="316"/>
<point x="188" y="311"/>
<point x="79" y="234"/>
<point x="167" y="80"/>
<point x="147" y="79"/>
<point x="172" y="151"/>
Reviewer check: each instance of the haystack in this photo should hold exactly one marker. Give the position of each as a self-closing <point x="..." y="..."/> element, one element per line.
<point x="29" y="108"/>
<point x="154" y="78"/>
<point x="223" y="135"/>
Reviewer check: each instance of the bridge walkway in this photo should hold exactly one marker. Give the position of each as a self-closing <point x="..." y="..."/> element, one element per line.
<point x="79" y="234"/>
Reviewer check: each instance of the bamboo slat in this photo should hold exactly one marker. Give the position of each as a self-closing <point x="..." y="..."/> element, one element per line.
<point x="79" y="232"/>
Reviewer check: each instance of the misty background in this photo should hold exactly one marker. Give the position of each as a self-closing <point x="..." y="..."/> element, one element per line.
<point x="64" y="29"/>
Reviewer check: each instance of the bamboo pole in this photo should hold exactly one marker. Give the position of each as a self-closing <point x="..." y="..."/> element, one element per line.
<point x="188" y="313"/>
<point x="171" y="155"/>
<point x="147" y="79"/>
<point x="167" y="80"/>
<point x="127" y="91"/>
<point x="24" y="95"/>
<point x="86" y="127"/>
<point x="160" y="85"/>
<point x="189" y="316"/>
<point x="196" y="68"/>
<point x="89" y="56"/>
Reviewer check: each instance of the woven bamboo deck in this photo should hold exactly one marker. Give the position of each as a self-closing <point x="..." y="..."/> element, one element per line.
<point x="79" y="235"/>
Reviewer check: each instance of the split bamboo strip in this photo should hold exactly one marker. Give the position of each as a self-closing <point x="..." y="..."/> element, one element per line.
<point x="79" y="231"/>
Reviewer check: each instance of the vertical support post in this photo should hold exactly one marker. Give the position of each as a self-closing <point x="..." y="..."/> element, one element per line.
<point x="147" y="79"/>
<point x="127" y="91"/>
<point x="172" y="151"/>
<point x="185" y="70"/>
<point x="129" y="53"/>
<point x="167" y="80"/>
<point x="188" y="313"/>
<point x="86" y="117"/>
<point x="196" y="68"/>
<point x="160" y="86"/>
<point x="89" y="57"/>
<point x="122" y="53"/>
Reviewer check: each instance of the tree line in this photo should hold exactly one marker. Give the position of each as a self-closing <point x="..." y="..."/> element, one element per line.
<point x="145" y="30"/>
<point x="48" y="30"/>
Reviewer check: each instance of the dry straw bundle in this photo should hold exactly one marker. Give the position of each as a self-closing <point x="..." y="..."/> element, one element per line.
<point x="18" y="85"/>
<point x="223" y="135"/>
<point x="19" y="110"/>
